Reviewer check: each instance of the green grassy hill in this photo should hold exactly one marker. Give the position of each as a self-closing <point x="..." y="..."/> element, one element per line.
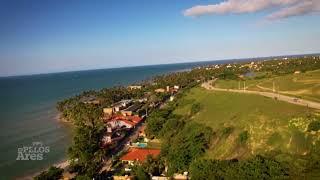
<point x="304" y="85"/>
<point x="247" y="125"/>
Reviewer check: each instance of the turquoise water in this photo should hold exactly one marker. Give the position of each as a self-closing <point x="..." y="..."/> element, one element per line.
<point x="28" y="111"/>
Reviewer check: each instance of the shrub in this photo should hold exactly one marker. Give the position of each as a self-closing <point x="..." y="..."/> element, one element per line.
<point x="314" y="126"/>
<point x="226" y="131"/>
<point x="243" y="137"/>
<point x="171" y="127"/>
<point x="156" y="121"/>
<point x="140" y="173"/>
<point x="195" y="108"/>
<point x="255" y="168"/>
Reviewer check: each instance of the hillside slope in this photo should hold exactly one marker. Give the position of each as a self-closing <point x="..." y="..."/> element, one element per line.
<point x="247" y="125"/>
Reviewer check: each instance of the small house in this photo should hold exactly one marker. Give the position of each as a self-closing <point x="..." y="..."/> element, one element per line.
<point x="160" y="90"/>
<point x="126" y="177"/>
<point x="180" y="176"/>
<point x="121" y="105"/>
<point x="107" y="139"/>
<point x="159" y="178"/>
<point x="130" y="110"/>
<point x="126" y="113"/>
<point x="138" y="155"/>
<point x="118" y="123"/>
<point x="108" y="111"/>
<point x="134" y="87"/>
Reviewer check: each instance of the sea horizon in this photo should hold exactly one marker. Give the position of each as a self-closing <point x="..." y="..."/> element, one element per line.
<point x="164" y="64"/>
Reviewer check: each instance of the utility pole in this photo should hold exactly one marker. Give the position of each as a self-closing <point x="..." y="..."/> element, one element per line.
<point x="273" y="87"/>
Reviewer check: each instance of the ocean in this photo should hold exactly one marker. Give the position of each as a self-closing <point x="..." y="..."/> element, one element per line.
<point x="28" y="112"/>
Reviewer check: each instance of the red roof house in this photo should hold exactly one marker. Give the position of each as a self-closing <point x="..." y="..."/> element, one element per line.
<point x="128" y="121"/>
<point x="135" y="119"/>
<point x="139" y="155"/>
<point x="115" y="123"/>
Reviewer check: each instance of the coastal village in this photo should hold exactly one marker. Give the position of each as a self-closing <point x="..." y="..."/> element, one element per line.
<point x="125" y="119"/>
<point x="125" y="130"/>
<point x="160" y="90"/>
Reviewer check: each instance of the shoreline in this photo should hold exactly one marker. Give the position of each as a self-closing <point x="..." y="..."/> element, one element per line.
<point x="68" y="90"/>
<point x="60" y="119"/>
<point x="63" y="164"/>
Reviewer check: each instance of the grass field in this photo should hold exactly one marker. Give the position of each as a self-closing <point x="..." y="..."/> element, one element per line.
<point x="272" y="126"/>
<point x="303" y="85"/>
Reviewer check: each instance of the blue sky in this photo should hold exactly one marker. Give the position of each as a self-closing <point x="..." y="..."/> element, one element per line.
<point x="43" y="36"/>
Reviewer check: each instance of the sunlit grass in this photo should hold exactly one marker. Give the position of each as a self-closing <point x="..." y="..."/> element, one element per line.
<point x="272" y="125"/>
<point x="303" y="85"/>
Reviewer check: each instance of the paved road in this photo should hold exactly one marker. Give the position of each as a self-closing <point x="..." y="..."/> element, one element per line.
<point x="122" y="146"/>
<point x="280" y="97"/>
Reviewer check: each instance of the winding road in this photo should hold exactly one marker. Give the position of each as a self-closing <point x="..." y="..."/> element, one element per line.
<point x="302" y="102"/>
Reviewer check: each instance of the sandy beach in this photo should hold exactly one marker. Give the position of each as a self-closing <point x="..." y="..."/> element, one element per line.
<point x="62" y="164"/>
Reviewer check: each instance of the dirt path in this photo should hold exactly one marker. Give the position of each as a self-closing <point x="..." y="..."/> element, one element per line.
<point x="264" y="88"/>
<point x="280" y="97"/>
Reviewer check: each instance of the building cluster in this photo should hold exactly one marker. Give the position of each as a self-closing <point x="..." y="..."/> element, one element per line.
<point x="125" y="118"/>
<point x="168" y="89"/>
<point x="120" y="119"/>
<point x="171" y="90"/>
<point x="133" y="87"/>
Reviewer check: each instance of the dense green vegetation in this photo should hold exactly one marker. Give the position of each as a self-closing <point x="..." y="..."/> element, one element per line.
<point x="255" y="168"/>
<point x="53" y="173"/>
<point x="189" y="144"/>
<point x="314" y="126"/>
<point x="85" y="153"/>
<point x="282" y="67"/>
<point x="182" y="141"/>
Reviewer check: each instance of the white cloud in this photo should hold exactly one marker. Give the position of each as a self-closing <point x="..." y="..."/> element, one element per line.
<point x="302" y="8"/>
<point x="284" y="8"/>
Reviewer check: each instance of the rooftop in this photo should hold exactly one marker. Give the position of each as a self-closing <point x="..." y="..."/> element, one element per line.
<point x="137" y="154"/>
<point x="132" y="120"/>
<point x="133" y="107"/>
